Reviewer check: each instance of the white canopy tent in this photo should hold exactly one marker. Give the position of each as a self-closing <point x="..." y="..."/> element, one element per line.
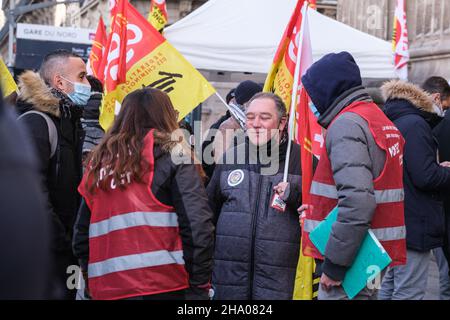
<point x="243" y="36"/>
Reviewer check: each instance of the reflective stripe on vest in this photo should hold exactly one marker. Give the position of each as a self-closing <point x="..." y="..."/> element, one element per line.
<point x="133" y="219"/>
<point x="381" y="196"/>
<point x="382" y="234"/>
<point x="135" y="261"/>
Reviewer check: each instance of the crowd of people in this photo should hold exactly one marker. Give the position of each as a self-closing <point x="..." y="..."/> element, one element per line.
<point x="144" y="220"/>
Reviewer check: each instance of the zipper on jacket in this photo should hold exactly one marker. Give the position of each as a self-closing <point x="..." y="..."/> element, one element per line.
<point x="252" y="247"/>
<point x="268" y="199"/>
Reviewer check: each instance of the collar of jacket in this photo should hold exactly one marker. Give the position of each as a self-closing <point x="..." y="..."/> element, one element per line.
<point x="33" y="90"/>
<point x="344" y="100"/>
<point x="420" y="101"/>
<point x="273" y="150"/>
<point x="402" y="90"/>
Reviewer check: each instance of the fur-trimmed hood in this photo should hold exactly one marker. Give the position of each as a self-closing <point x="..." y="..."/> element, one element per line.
<point x="402" y="90"/>
<point x="34" y="91"/>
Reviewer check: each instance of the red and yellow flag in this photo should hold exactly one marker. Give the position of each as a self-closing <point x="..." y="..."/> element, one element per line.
<point x="400" y="44"/>
<point x="157" y="15"/>
<point x="138" y="55"/>
<point x="281" y="75"/>
<point x="98" y="47"/>
<point x="313" y="4"/>
<point x="305" y="130"/>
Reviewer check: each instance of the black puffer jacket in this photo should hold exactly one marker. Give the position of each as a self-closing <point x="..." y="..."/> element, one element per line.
<point x="257" y="247"/>
<point x="61" y="174"/>
<point x="180" y="186"/>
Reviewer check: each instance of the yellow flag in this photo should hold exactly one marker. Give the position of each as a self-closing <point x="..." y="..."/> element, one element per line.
<point x="143" y="57"/>
<point x="306" y="285"/>
<point x="158" y="14"/>
<point x="6" y="80"/>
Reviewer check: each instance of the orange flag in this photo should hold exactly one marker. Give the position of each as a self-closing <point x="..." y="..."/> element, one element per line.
<point x="98" y="47"/>
<point x="138" y="55"/>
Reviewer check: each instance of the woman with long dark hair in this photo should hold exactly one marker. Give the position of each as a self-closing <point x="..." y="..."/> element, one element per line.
<point x="144" y="230"/>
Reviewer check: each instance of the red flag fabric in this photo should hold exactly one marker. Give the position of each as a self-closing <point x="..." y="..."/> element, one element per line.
<point x="113" y="66"/>
<point x="138" y="55"/>
<point x="98" y="47"/>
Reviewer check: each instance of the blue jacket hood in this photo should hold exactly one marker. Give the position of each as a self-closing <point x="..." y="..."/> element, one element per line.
<point x="330" y="77"/>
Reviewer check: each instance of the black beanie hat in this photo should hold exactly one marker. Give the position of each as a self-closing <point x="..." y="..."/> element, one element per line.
<point x="246" y="90"/>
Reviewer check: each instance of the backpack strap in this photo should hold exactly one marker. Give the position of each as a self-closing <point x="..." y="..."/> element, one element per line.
<point x="52" y="132"/>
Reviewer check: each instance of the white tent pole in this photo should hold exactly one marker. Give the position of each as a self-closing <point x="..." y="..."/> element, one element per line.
<point x="294" y="94"/>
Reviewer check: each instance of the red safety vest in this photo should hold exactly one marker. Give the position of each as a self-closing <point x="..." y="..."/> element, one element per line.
<point x="388" y="223"/>
<point x="135" y="247"/>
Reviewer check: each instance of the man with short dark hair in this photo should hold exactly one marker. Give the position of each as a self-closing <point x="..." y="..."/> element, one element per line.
<point x="50" y="104"/>
<point x="439" y="88"/>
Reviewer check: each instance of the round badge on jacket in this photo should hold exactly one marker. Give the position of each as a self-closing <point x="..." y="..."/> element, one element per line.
<point x="235" y="177"/>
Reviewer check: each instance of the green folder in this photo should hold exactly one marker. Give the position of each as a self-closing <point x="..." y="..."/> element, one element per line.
<point x="368" y="264"/>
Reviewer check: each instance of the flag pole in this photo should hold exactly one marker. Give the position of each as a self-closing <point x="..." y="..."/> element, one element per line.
<point x="222" y="100"/>
<point x="294" y="94"/>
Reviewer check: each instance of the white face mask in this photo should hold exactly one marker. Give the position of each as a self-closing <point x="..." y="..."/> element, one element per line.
<point x="81" y="93"/>
<point x="438" y="110"/>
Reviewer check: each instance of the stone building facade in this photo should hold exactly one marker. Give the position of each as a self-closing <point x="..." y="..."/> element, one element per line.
<point x="87" y="16"/>
<point x="428" y="30"/>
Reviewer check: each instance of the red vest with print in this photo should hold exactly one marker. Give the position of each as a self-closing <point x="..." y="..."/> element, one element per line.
<point x="135" y="247"/>
<point x="388" y="223"/>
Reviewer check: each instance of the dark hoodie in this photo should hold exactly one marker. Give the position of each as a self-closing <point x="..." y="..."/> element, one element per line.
<point x="330" y="77"/>
<point x="333" y="83"/>
<point x="411" y="110"/>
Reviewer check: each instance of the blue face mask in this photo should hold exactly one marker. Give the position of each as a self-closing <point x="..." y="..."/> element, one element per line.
<point x="81" y="93"/>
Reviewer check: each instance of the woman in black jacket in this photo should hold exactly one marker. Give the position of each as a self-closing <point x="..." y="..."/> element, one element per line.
<point x="135" y="166"/>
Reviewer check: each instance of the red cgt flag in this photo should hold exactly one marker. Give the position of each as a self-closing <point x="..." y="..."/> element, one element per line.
<point x="138" y="55"/>
<point x="113" y="66"/>
<point x="98" y="48"/>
